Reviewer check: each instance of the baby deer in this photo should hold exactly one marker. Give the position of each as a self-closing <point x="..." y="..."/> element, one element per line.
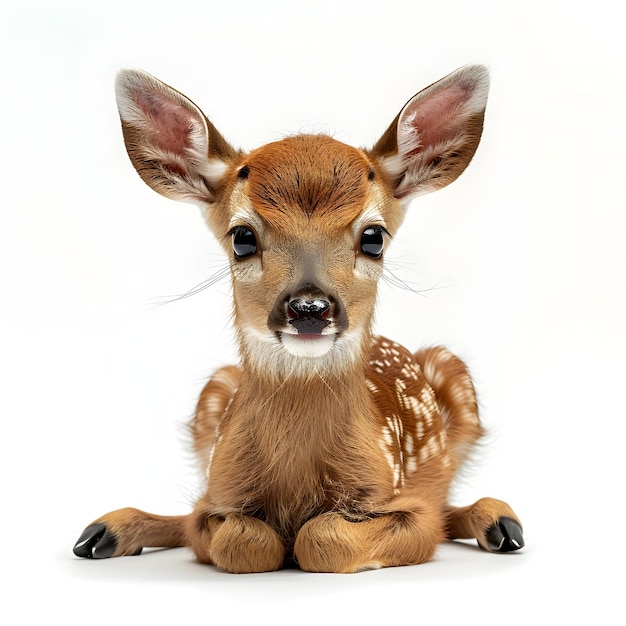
<point x="327" y="447"/>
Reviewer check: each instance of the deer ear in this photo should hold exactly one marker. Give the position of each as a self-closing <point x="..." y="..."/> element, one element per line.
<point x="172" y="145"/>
<point x="435" y="136"/>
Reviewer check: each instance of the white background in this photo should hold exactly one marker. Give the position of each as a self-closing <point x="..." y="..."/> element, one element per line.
<point x="521" y="264"/>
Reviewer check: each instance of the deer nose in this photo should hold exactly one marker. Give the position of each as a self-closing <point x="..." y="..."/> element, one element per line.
<point x="308" y="309"/>
<point x="312" y="308"/>
<point x="309" y="317"/>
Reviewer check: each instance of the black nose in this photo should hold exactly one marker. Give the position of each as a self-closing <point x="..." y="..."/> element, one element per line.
<point x="311" y="308"/>
<point x="308" y="309"/>
<point x="309" y="316"/>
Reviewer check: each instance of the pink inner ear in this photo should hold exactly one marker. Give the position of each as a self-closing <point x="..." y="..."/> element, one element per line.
<point x="170" y="124"/>
<point x="437" y="118"/>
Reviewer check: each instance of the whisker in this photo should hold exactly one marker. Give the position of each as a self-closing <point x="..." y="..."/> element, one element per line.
<point x="326" y="384"/>
<point x="275" y="391"/>
<point x="393" y="280"/>
<point x="220" y="275"/>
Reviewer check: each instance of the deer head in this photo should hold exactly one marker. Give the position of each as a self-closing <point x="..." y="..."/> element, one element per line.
<point x="305" y="221"/>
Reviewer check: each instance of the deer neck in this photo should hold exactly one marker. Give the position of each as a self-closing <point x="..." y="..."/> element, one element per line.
<point x="301" y="394"/>
<point x="305" y="412"/>
<point x="296" y="446"/>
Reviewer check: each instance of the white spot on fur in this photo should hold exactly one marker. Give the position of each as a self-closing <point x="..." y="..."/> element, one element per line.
<point x="409" y="444"/>
<point x="430" y="408"/>
<point x="429" y="450"/>
<point x="371" y="386"/>
<point x="411" y="465"/>
<point x="212" y="451"/>
<point x="385" y="444"/>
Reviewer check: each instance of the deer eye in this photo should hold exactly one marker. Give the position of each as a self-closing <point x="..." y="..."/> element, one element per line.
<point x="244" y="242"/>
<point x="372" y="242"/>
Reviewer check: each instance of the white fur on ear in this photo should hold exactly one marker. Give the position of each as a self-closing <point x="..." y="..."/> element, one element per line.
<point x="167" y="138"/>
<point x="437" y="133"/>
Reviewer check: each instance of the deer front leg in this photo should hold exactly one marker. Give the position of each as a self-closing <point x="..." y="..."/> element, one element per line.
<point x="127" y="531"/>
<point x="491" y="522"/>
<point x="237" y="543"/>
<point x="331" y="543"/>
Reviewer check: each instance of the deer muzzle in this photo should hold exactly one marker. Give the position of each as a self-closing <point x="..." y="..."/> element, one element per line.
<point x="308" y="310"/>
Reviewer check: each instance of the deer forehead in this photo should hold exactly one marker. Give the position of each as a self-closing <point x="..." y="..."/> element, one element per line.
<point x="309" y="180"/>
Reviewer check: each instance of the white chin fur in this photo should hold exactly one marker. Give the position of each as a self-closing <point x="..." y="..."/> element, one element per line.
<point x="313" y="347"/>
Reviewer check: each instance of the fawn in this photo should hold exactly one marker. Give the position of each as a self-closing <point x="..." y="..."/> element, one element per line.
<point x="327" y="447"/>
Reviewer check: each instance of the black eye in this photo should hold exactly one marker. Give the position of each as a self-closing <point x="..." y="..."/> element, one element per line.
<point x="244" y="242"/>
<point x="372" y="241"/>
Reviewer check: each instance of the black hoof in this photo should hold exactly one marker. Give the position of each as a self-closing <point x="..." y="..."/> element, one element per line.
<point x="505" y="536"/>
<point x="97" y="542"/>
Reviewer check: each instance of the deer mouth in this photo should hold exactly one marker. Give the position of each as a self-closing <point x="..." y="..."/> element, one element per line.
<point x="308" y="345"/>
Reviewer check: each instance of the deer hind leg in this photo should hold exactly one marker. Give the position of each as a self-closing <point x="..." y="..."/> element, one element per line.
<point x="491" y="522"/>
<point x="331" y="543"/>
<point x="127" y="531"/>
<point x="456" y="398"/>
<point x="213" y="402"/>
<point x="236" y="543"/>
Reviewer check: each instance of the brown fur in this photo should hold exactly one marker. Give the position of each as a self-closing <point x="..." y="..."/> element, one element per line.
<point x="311" y="175"/>
<point x="330" y="447"/>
